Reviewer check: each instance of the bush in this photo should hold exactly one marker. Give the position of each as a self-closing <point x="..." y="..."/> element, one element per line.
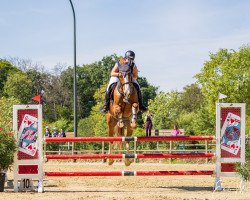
<point x="7" y="141"/>
<point x="85" y="127"/>
<point x="138" y="132"/>
<point x="244" y="170"/>
<point x="7" y="149"/>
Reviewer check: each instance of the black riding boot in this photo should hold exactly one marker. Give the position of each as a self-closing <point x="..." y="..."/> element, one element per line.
<point x="141" y="106"/>
<point x="105" y="107"/>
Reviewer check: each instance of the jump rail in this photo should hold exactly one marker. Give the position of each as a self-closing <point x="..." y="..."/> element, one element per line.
<point x="130" y="173"/>
<point x="138" y="139"/>
<point x="128" y="155"/>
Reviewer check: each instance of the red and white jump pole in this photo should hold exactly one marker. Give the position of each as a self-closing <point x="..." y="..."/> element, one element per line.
<point x="123" y="139"/>
<point x="131" y="173"/>
<point x="122" y="156"/>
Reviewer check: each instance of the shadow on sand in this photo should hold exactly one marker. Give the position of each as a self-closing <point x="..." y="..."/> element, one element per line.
<point x="190" y="188"/>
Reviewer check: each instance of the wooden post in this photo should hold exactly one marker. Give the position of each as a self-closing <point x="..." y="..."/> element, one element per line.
<point x="206" y="149"/>
<point x="45" y="147"/>
<point x="103" y="145"/>
<point x="72" y="150"/>
<point x="170" y="150"/>
<point x="59" y="146"/>
<point x="135" y="146"/>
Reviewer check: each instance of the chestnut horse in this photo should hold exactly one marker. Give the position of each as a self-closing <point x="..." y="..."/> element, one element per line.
<point x="124" y="108"/>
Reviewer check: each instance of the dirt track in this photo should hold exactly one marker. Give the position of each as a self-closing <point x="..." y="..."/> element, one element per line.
<point x="141" y="188"/>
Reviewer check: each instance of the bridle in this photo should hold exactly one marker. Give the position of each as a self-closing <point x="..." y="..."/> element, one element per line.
<point x="121" y="86"/>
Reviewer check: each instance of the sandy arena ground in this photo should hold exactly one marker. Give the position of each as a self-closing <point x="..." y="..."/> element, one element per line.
<point x="128" y="188"/>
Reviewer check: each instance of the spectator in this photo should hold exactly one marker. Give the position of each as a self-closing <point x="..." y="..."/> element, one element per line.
<point x="149" y="124"/>
<point x="55" y="133"/>
<point x="176" y="131"/>
<point x="62" y="133"/>
<point x="47" y="132"/>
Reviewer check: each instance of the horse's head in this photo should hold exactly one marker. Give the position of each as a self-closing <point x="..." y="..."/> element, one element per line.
<point x="126" y="79"/>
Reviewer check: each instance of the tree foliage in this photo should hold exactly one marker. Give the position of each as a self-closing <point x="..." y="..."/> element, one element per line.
<point x="165" y="109"/>
<point x="6" y="115"/>
<point x="192" y="98"/>
<point x="95" y="124"/>
<point x="227" y="72"/>
<point x="90" y="77"/>
<point x="6" y="68"/>
<point x="185" y="108"/>
<point x="18" y="85"/>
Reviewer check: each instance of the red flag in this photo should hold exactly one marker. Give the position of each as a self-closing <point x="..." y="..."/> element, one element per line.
<point x="37" y="98"/>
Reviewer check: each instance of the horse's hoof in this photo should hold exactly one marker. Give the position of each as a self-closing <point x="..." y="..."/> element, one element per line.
<point x="133" y="124"/>
<point x="127" y="162"/>
<point x="120" y="124"/>
<point x="111" y="161"/>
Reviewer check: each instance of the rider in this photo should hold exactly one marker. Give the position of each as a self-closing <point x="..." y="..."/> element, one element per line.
<point x="129" y="58"/>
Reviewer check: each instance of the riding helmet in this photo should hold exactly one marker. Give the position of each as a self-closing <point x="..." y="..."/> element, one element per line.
<point x="130" y="55"/>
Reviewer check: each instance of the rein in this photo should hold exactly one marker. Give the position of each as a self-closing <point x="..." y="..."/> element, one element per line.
<point x="121" y="85"/>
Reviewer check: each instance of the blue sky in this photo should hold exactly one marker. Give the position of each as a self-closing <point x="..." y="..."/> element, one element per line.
<point x="171" y="38"/>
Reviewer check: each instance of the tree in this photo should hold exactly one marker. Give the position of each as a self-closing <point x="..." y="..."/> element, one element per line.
<point x="19" y="86"/>
<point x="193" y="116"/>
<point x="165" y="109"/>
<point x="95" y="124"/>
<point x="197" y="123"/>
<point x="227" y="72"/>
<point x="39" y="80"/>
<point x="192" y="98"/>
<point x="90" y="78"/>
<point x="6" y="116"/>
<point x="6" y="68"/>
<point x="148" y="91"/>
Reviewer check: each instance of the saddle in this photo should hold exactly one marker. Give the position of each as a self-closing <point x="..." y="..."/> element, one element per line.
<point x="111" y="91"/>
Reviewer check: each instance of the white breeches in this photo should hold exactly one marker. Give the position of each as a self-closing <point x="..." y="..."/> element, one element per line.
<point x="115" y="79"/>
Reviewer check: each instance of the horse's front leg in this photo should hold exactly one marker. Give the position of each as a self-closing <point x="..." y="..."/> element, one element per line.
<point x="110" y="160"/>
<point x="133" y="123"/>
<point x="120" y="122"/>
<point x="111" y="125"/>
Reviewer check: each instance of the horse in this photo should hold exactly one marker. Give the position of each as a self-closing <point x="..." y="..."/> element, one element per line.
<point x="123" y="109"/>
